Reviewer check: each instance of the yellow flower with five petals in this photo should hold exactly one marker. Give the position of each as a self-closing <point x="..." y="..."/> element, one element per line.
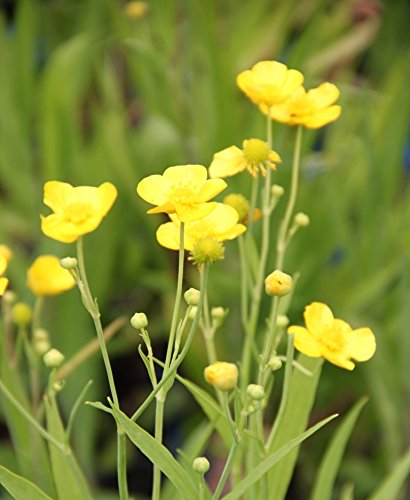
<point x="45" y="276"/>
<point x="312" y="109"/>
<point x="77" y="210"/>
<point x="183" y="190"/>
<point x="269" y="82"/>
<point x="219" y="225"/>
<point x="256" y="156"/>
<point x="332" y="339"/>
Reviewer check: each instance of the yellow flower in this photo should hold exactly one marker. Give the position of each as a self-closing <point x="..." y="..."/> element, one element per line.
<point x="312" y="109"/>
<point x="255" y="156"/>
<point x="5" y="257"/>
<point x="182" y="190"/>
<point x="220" y="225"/>
<point x="332" y="339"/>
<point x="222" y="375"/>
<point x="135" y="10"/>
<point x="77" y="210"/>
<point x="269" y="82"/>
<point x="46" y="276"/>
<point x="278" y="283"/>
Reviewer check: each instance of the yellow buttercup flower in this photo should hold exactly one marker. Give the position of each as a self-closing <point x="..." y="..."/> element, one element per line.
<point x="255" y="156"/>
<point x="46" y="276"/>
<point x="77" y="210"/>
<point x="269" y="82"/>
<point x="222" y="375"/>
<point x="182" y="190"/>
<point x="332" y="339"/>
<point x="220" y="225"/>
<point x="312" y="109"/>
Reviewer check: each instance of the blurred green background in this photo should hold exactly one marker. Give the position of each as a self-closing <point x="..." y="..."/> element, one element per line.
<point x="89" y="93"/>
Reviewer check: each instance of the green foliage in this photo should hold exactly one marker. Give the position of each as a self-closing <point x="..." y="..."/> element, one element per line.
<point x="19" y="487"/>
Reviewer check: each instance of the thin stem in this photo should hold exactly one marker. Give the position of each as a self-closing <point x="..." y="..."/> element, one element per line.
<point x="270" y="337"/>
<point x="74" y="410"/>
<point x="283" y="231"/>
<point x="226" y="471"/>
<point x="175" y="364"/>
<point x="159" y="424"/>
<point x="244" y="282"/>
<point x="285" y="393"/>
<point x="122" y="465"/>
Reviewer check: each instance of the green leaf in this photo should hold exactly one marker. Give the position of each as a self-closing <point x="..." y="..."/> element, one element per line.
<point x="330" y="464"/>
<point x="211" y="409"/>
<point x="390" y="487"/>
<point x="158" y="455"/>
<point x="69" y="480"/>
<point x="295" y="419"/>
<point x="19" y="487"/>
<point x="256" y="474"/>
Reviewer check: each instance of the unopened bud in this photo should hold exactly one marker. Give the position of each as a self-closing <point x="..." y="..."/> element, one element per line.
<point x="301" y="219"/>
<point x="218" y="313"/>
<point x="192" y="296"/>
<point x="68" y="263"/>
<point x="10" y="297"/>
<point x="58" y="385"/>
<point x="21" y="314"/>
<point x="53" y="358"/>
<point x="192" y="313"/>
<point x="201" y="465"/>
<point x="239" y="203"/>
<point x="139" y="321"/>
<point x="275" y="363"/>
<point x="255" y="392"/>
<point x="277" y="190"/>
<point x="282" y="321"/>
<point x="41" y="346"/>
<point x="278" y="283"/>
<point x="40" y="334"/>
<point x="222" y="375"/>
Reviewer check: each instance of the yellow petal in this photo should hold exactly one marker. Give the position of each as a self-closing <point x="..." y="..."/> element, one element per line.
<point x="46" y="277"/>
<point x="167" y="208"/>
<point x="274" y="156"/>
<point x="188" y="213"/>
<point x="210" y="189"/>
<point x="341" y="327"/>
<point x="54" y="227"/>
<point x="190" y="176"/>
<point x="3" y="285"/>
<point x="337" y="358"/>
<point x="107" y="195"/>
<point x="294" y="80"/>
<point x="230" y="161"/>
<point x="6" y="252"/>
<point x="318" y="317"/>
<point x="272" y="72"/>
<point x="153" y="189"/>
<point x="100" y="199"/>
<point x="279" y="113"/>
<point x="3" y="264"/>
<point x="232" y="233"/>
<point x="168" y="235"/>
<point x="58" y="195"/>
<point x="322" y="117"/>
<point x="361" y="344"/>
<point x="324" y="95"/>
<point x="305" y="342"/>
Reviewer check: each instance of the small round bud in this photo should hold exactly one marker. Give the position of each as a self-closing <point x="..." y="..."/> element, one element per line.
<point x="275" y="363"/>
<point x="135" y="10"/>
<point x="41" y="347"/>
<point x="21" y="314"/>
<point x="222" y="375"/>
<point x="239" y="203"/>
<point x="282" y="321"/>
<point x="58" y="385"/>
<point x="139" y="321"/>
<point x="68" y="263"/>
<point x="191" y="296"/>
<point x="207" y="251"/>
<point x="255" y="392"/>
<point x="278" y="283"/>
<point x="301" y="220"/>
<point x="192" y="313"/>
<point x="40" y="334"/>
<point x="10" y="297"/>
<point x="277" y="190"/>
<point x="53" y="358"/>
<point x="218" y="312"/>
<point x="201" y="465"/>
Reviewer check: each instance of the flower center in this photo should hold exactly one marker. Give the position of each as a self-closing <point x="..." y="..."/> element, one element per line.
<point x="77" y="212"/>
<point x="255" y="151"/>
<point x="182" y="195"/>
<point x="334" y="340"/>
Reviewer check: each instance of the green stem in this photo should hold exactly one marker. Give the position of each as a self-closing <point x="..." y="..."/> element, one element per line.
<point x="270" y="337"/>
<point x="226" y="471"/>
<point x="175" y="364"/>
<point x="285" y="393"/>
<point x="159" y="423"/>
<point x="283" y="231"/>
<point x="244" y="282"/>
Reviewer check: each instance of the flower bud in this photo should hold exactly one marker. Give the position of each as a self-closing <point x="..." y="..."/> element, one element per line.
<point x="207" y="251"/>
<point x="58" y="385"/>
<point x="21" y="314"/>
<point x="191" y="296"/>
<point x="239" y="203"/>
<point x="222" y="375"/>
<point x="255" y="392"/>
<point x="40" y="334"/>
<point x="139" y="321"/>
<point x="68" y="263"/>
<point x="278" y="283"/>
<point x="275" y="363"/>
<point x="41" y="346"/>
<point x="201" y="465"/>
<point x="53" y="358"/>
<point x="277" y="191"/>
<point x="135" y="10"/>
<point x="218" y="313"/>
<point x="192" y="313"/>
<point x="301" y="220"/>
<point x="282" y="321"/>
<point x="10" y="297"/>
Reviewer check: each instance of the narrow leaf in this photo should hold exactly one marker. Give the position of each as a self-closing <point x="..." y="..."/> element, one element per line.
<point x="256" y="474"/>
<point x="158" y="455"/>
<point x="390" y="487"/>
<point x="19" y="487"/>
<point x="330" y="464"/>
